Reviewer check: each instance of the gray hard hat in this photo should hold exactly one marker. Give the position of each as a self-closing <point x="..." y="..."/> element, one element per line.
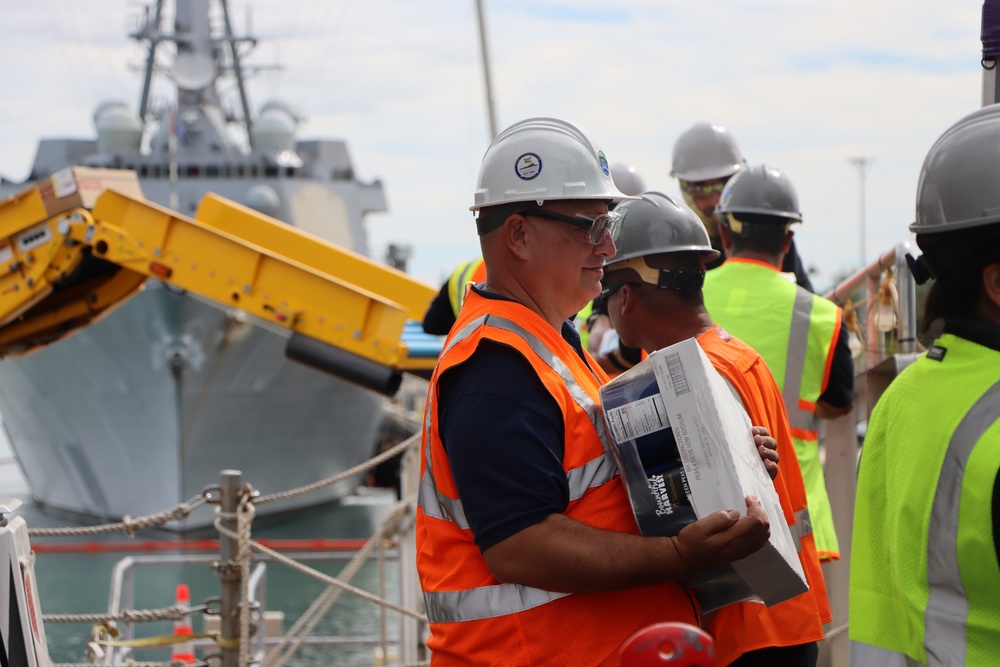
<point x="958" y="201"/>
<point x="656" y="224"/>
<point x="627" y="179"/>
<point x="704" y="152"/>
<point x="760" y="190"/>
<point x="959" y="184"/>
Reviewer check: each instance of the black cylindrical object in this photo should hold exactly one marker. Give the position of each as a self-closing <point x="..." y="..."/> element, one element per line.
<point x="346" y="365"/>
<point x="990" y="33"/>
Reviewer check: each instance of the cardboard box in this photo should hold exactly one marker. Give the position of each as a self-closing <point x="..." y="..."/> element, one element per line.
<point x="683" y="444"/>
<point x="76" y="187"/>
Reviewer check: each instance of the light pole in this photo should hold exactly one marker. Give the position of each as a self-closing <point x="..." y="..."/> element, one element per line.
<point x="487" y="77"/>
<point x="861" y="162"/>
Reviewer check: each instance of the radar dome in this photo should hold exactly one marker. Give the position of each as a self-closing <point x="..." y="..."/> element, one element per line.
<point x="274" y="130"/>
<point x="265" y="199"/>
<point x="280" y="105"/>
<point x="119" y="129"/>
<point x="193" y="71"/>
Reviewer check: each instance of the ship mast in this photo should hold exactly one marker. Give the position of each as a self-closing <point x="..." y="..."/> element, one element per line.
<point x="198" y="63"/>
<point x="238" y="72"/>
<point x="150" y="31"/>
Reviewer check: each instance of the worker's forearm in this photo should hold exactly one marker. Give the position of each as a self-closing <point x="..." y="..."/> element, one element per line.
<point x="826" y="411"/>
<point x="562" y="554"/>
<point x="565" y="555"/>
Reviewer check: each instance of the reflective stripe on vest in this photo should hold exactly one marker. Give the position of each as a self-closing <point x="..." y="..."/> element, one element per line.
<point x="863" y="655"/>
<point x="947" y="605"/>
<point x="795" y="364"/>
<point x="803" y="526"/>
<point x="484" y="602"/>
<point x="503" y="599"/>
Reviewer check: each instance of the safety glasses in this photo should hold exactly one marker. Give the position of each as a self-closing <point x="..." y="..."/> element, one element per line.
<point x="608" y="290"/>
<point x="701" y="188"/>
<point x="597" y="227"/>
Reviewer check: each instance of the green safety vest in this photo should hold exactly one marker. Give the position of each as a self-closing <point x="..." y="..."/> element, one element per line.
<point x="795" y="331"/>
<point x="473" y="270"/>
<point x="925" y="577"/>
<point x="581" y="323"/>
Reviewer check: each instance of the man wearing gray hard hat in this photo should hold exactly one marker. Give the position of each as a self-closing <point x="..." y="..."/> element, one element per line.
<point x="925" y="555"/>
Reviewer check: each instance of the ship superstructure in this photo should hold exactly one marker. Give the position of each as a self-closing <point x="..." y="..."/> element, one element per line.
<point x="143" y="409"/>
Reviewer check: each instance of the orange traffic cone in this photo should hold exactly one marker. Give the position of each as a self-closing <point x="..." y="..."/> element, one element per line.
<point x="183" y="651"/>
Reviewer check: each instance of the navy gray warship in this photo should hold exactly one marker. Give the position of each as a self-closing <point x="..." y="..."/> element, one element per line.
<point x="141" y="410"/>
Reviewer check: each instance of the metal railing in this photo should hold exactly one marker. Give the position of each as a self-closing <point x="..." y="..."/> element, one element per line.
<point x="122" y="597"/>
<point x="883" y="289"/>
<point x="870" y="280"/>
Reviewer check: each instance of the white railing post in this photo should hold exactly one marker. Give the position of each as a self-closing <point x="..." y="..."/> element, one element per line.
<point x="876" y="368"/>
<point x="840" y="469"/>
<point x="410" y="631"/>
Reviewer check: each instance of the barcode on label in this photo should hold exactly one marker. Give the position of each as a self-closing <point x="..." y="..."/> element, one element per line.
<point x="677" y="376"/>
<point x="621" y="427"/>
<point x="634" y="420"/>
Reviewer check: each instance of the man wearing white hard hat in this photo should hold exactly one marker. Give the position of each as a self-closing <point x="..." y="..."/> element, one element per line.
<point x="527" y="549"/>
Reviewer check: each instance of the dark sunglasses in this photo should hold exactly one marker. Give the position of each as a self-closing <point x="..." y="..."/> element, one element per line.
<point x="597" y="227"/>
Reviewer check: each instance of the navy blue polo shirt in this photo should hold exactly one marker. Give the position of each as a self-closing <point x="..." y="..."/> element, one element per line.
<point x="504" y="435"/>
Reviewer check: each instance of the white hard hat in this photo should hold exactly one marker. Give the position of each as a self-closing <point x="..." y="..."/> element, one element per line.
<point x="627" y="179"/>
<point x="544" y="159"/>
<point x="705" y="151"/>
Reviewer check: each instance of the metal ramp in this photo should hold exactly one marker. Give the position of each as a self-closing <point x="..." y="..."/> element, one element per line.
<point x="344" y="313"/>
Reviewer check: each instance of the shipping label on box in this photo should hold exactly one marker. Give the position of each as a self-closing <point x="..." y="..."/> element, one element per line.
<point x="79" y="187"/>
<point x="685" y="449"/>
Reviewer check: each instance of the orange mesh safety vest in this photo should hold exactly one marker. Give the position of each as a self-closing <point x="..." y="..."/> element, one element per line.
<point x="747" y="626"/>
<point x="474" y="618"/>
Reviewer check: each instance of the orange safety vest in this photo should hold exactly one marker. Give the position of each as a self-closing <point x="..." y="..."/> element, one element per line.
<point x="474" y="618"/>
<point x="747" y="626"/>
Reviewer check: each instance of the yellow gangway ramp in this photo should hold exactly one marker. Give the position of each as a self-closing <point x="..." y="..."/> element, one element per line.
<point x="50" y="285"/>
<point x="336" y="325"/>
<point x="312" y="251"/>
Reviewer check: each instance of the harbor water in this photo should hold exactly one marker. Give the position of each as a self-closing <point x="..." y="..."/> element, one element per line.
<point x="74" y="576"/>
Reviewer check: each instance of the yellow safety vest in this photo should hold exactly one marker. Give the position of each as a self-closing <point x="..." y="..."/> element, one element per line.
<point x="796" y="333"/>
<point x="458" y="284"/>
<point x="925" y="576"/>
<point x="581" y="323"/>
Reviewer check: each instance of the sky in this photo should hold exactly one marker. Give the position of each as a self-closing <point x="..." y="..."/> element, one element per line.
<point x="804" y="86"/>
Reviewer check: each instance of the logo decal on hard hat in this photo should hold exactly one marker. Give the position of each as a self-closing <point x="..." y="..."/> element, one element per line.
<point x="528" y="166"/>
<point x="603" y="161"/>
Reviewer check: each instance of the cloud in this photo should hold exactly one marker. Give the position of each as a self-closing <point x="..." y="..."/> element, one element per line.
<point x="803" y="85"/>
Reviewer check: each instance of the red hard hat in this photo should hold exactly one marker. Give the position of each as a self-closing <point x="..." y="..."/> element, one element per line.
<point x="668" y="644"/>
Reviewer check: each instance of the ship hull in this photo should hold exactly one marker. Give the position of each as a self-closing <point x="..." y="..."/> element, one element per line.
<point x="142" y="411"/>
